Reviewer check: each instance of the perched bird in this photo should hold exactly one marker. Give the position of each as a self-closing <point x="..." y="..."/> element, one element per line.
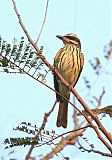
<point x="69" y="62"/>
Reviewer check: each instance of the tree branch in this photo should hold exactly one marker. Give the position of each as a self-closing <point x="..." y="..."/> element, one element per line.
<point x="43" y="23"/>
<point x="68" y="140"/>
<point x="95" y="151"/>
<point x="41" y="128"/>
<point x="100" y="98"/>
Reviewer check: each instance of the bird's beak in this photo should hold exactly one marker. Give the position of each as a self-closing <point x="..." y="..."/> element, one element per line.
<point x="60" y="37"/>
<point x="63" y="38"/>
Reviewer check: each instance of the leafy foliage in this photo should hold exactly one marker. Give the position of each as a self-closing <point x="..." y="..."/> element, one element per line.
<point x="96" y="65"/>
<point x="108" y="51"/>
<point x="43" y="138"/>
<point x="21" y="58"/>
<point x="21" y="141"/>
<point x="87" y="83"/>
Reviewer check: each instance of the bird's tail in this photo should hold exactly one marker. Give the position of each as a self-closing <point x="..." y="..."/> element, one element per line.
<point x="62" y="114"/>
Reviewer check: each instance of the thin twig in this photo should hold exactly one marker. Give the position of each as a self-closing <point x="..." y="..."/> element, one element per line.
<point x="95" y="151"/>
<point x="68" y="137"/>
<point x="68" y="140"/>
<point x="98" y="102"/>
<point x="41" y="128"/>
<point x="43" y="22"/>
<point x="100" y="98"/>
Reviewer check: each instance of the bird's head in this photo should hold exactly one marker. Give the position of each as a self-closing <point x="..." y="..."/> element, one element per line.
<point x="70" y="39"/>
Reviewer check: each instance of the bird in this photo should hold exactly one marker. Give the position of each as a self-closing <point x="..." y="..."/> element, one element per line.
<point x="69" y="62"/>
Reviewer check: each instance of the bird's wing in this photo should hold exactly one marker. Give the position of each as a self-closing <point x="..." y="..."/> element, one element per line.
<point x="56" y="79"/>
<point x="82" y="64"/>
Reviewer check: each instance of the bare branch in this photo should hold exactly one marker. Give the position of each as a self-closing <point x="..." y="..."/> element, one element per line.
<point x="95" y="151"/>
<point x="68" y="140"/>
<point x="43" y="23"/>
<point x="96" y="110"/>
<point x="100" y="98"/>
<point x="41" y="128"/>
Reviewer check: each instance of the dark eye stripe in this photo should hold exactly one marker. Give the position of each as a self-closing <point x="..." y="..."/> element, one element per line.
<point x="72" y="38"/>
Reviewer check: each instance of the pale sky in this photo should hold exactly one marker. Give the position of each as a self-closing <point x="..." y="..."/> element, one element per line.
<point x="23" y="99"/>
